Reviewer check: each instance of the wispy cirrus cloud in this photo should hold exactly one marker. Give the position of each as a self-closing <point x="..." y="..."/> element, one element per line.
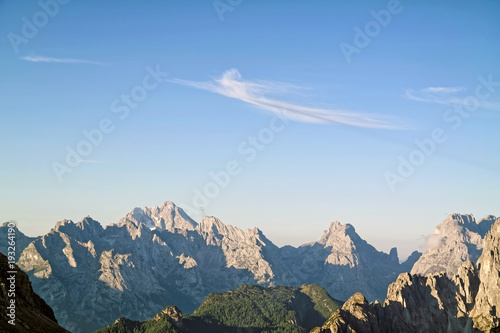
<point x="445" y="96"/>
<point x="439" y="95"/>
<point x="231" y="84"/>
<point x="59" y="60"/>
<point x="443" y="90"/>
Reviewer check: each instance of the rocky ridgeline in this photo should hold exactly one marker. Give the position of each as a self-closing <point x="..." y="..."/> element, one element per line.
<point x="468" y="301"/>
<point x="92" y="275"/>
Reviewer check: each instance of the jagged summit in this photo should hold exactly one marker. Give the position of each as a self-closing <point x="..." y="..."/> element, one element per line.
<point x="165" y="217"/>
<point x="339" y="233"/>
<point x="211" y="224"/>
<point x="89" y="223"/>
<point x="62" y="223"/>
<point x="459" y="237"/>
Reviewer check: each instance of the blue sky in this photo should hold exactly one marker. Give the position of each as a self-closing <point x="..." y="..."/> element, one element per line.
<point x="328" y="134"/>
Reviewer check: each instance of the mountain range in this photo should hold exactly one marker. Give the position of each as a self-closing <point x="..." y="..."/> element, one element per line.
<point x="90" y="275"/>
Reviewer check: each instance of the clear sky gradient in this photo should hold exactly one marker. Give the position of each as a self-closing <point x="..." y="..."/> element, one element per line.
<point x="312" y="132"/>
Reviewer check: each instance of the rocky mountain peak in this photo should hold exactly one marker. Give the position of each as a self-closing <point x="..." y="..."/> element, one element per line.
<point x="339" y="233"/>
<point x="89" y="224"/>
<point x="168" y="205"/>
<point x="393" y="254"/>
<point x="171" y="312"/>
<point x="454" y="240"/>
<point x="463" y="219"/>
<point x="62" y="223"/>
<point x="213" y="229"/>
<point x="165" y="217"/>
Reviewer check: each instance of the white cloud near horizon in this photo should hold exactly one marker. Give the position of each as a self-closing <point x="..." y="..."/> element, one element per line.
<point x="59" y="60"/>
<point x="231" y="84"/>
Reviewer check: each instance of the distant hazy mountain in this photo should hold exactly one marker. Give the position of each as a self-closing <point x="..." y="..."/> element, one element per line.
<point x="466" y="302"/>
<point x="92" y="275"/>
<point x="32" y="314"/>
<point x="457" y="239"/>
<point x="249" y="308"/>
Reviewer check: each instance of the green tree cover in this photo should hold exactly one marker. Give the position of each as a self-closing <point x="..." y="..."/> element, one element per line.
<point x="249" y="308"/>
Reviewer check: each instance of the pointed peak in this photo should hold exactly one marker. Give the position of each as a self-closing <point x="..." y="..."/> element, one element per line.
<point x="211" y="224"/>
<point x="139" y="210"/>
<point x="62" y="223"/>
<point x="338" y="232"/>
<point x="168" y="205"/>
<point x="335" y="225"/>
<point x="339" y="227"/>
<point x="357" y="298"/>
<point x="210" y="221"/>
<point x="168" y="216"/>
<point x="89" y="223"/>
<point x="171" y="312"/>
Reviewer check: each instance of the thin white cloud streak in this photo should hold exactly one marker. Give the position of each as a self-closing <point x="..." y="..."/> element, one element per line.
<point x="445" y="96"/>
<point x="445" y="90"/>
<point x="59" y="60"/>
<point x="230" y="84"/>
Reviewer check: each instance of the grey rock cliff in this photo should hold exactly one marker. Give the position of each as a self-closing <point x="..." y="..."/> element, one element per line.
<point x="465" y="302"/>
<point x="456" y="239"/>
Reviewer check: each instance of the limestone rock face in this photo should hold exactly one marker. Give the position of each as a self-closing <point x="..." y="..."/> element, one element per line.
<point x="486" y="310"/>
<point x="456" y="239"/>
<point x="465" y="302"/>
